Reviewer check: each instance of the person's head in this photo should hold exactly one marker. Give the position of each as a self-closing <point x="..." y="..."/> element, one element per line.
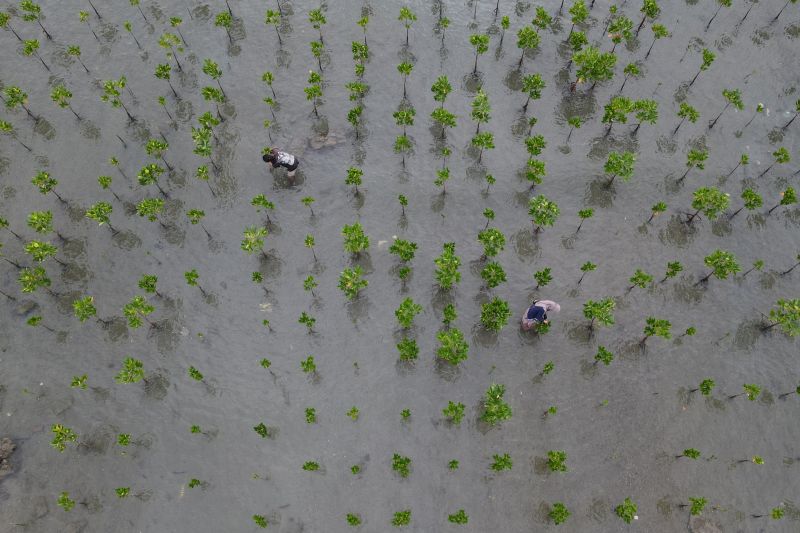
<point x="269" y="157"/>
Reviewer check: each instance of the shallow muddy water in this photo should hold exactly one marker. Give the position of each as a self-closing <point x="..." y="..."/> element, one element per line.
<point x="621" y="425"/>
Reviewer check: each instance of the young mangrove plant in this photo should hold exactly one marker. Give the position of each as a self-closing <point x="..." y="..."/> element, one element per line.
<point x="543" y="212"/>
<point x="137" y="310"/>
<point x="406" y="312"/>
<point x="721" y="4"/>
<point x="593" y="66"/>
<point x="722" y="265"/>
<point x="786" y="314"/>
<point x="351" y="282"/>
<point x="601" y="311"/>
<point x="617" y="110"/>
<point x="452" y="346"/>
<point x="495" y="314"/>
<point x="447" y="265"/>
<point x="694" y="159"/>
<point x="656" y="327"/>
<point x="558" y="513"/>
<point x="495" y="408"/>
<point x="732" y="97"/>
<point x="61" y="436"/>
<point x="481" y="44"/>
<point x="603" y="355"/>
<point x="752" y="392"/>
<point x="454" y="412"/>
<point x="408" y="349"/>
<point x="401" y="518"/>
<point x="788" y="197"/>
<point x="501" y="462"/>
<point x="460" y="517"/>
<point x="619" y="164"/>
<point x="132" y="371"/>
<point x="708" y="59"/>
<point x="587" y="267"/>
<point x="557" y="460"/>
<point x="493" y="274"/>
<point x="752" y="201"/>
<point x="527" y="39"/>
<point x="626" y="511"/>
<point x="401" y="465"/>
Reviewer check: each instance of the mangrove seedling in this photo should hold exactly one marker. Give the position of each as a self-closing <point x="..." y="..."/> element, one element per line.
<point x="797" y="264"/>
<point x="732" y="97"/>
<point x="310" y="466"/>
<point x="495" y="409"/>
<point x="262" y="430"/>
<point x="481" y="44"/>
<point x="261" y="202"/>
<point x="31" y="279"/>
<point x="84" y="308"/>
<point x="452" y="346"/>
<point x="407" y="17"/>
<point x="132" y="371"/>
<point x="781" y="156"/>
<point x="454" y="412"/>
<point x="691" y="453"/>
<point x="527" y="39"/>
<point x="253" y="239"/>
<point x="403" y="249"/>
<point x="543" y="212"/>
<point x="686" y="112"/>
<point x="45" y="183"/>
<point x="151" y="208"/>
<point x="137" y="310"/>
<point x="401" y="465"/>
<point x="65" y="502"/>
<point x="309" y="243"/>
<point x="452" y="464"/>
<point x="558" y="513"/>
<point x="401" y="518"/>
<point x="795" y="391"/>
<point x="603" y="355"/>
<point x="449" y="315"/>
<point x="708" y="59"/>
<point x="493" y="274"/>
<point x="260" y="520"/>
<point x="785" y="314"/>
<point x="574" y="124"/>
<point x="788" y="197"/>
<point x="61" y="436"/>
<point x="7" y="128"/>
<point x="351" y="282"/>
<point x="501" y="462"/>
<point x="673" y="269"/>
<point x="353" y="413"/>
<point x="311" y="415"/>
<point x="406" y="312"/>
<point x="619" y="29"/>
<point x="308" y="365"/>
<point x="721" y="4"/>
<point x="62" y="96"/>
<point x="309" y="284"/>
<point x="656" y="327"/>
<point x="354" y="520"/>
<point x="579" y="13"/>
<point x="694" y="158"/>
<point x="626" y="511"/>
<point x="593" y="65"/>
<point x="640" y="279"/>
<point x="79" y="382"/>
<point x="447" y="265"/>
<point x="408" y="349"/>
<point x="542" y="277"/>
<point x="752" y="392"/>
<point x="722" y="264"/>
<point x="619" y="164"/>
<point x="488" y="214"/>
<point x="307" y="320"/>
<point x="495" y="314"/>
<point x="460" y="517"/>
<point x="645" y="110"/>
<point x="532" y="85"/>
<point x="796" y="112"/>
<point x="752" y="201"/>
<point x="617" y="110"/>
<point x="355" y="240"/>
<point x="601" y="311"/>
<point x="583" y="214"/>
<point x="493" y="242"/>
<point x="557" y="461"/>
<point x="483" y="141"/>
<point x="195" y="374"/>
<point x="758" y="264"/>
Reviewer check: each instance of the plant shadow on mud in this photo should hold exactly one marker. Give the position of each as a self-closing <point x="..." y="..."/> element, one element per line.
<point x="579" y="332"/>
<point x="526" y="244"/>
<point x="747" y="334"/>
<point x="483" y="336"/>
<point x="677" y="232"/>
<point x="599" y="193"/>
<point x="157" y="385"/>
<point x="445" y="370"/>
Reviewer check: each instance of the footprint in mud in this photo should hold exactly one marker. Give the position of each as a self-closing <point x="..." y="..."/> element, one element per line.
<point x="45" y="129"/>
<point x="156" y="386"/>
<point x="127" y="240"/>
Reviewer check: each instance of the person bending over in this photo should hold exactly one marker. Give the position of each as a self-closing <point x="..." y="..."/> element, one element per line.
<point x="537" y="313"/>
<point x="276" y="158"/>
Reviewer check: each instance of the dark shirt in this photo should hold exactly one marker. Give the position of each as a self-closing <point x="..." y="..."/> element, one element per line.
<point x="536" y="313"/>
